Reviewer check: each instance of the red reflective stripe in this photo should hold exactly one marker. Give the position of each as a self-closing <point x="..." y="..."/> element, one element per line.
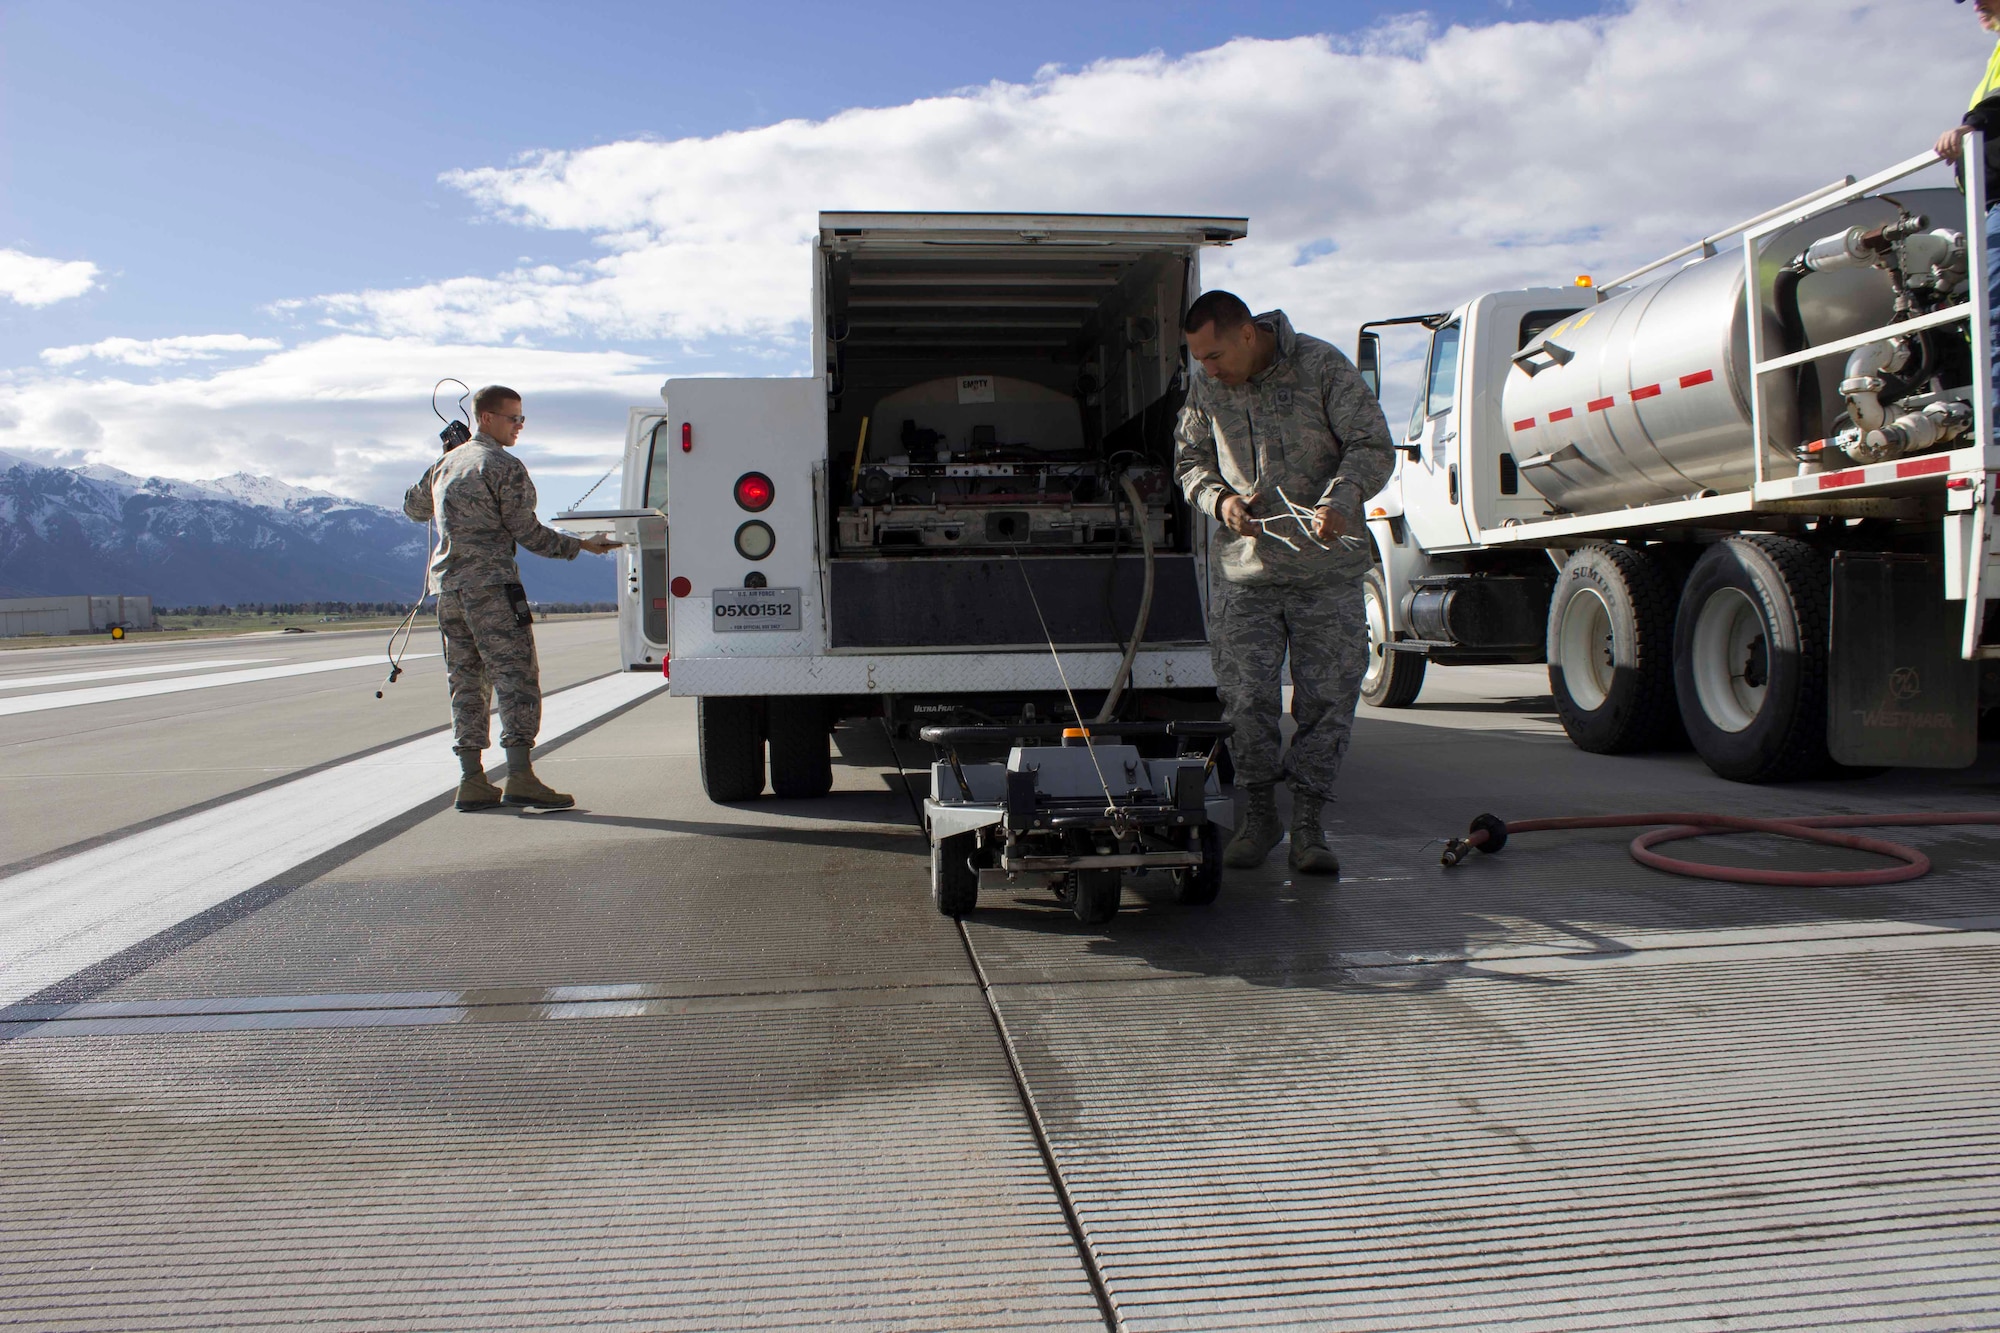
<point x="1650" y="391"/>
<point x="1560" y="414"/>
<point x="1699" y="377"/>
<point x="1923" y="467"/>
<point x="1529" y="424"/>
<point x="1599" y="404"/>
<point x="1853" y="477"/>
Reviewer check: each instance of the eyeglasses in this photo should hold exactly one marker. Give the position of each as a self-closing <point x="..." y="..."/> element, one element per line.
<point x="514" y="417"/>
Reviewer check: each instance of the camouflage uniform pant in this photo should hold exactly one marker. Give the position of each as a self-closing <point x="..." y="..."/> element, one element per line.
<point x="486" y="653"/>
<point x="1251" y="629"/>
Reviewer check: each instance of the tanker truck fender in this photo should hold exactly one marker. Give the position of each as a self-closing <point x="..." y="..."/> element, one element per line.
<point x="1400" y="562"/>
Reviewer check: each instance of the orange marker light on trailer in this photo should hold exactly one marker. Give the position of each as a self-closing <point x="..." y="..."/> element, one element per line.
<point x="1584" y="280"/>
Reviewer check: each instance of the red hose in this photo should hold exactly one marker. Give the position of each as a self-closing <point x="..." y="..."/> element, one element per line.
<point x="1693" y="824"/>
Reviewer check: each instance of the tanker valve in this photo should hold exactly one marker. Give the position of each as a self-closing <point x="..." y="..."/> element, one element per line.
<point x="1858" y="245"/>
<point x="1914" y="432"/>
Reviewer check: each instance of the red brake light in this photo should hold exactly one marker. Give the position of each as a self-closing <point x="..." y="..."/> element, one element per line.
<point x="680" y="587"/>
<point x="754" y="491"/>
<point x="687" y="437"/>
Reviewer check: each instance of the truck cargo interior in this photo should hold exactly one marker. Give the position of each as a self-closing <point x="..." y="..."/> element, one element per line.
<point x="995" y="399"/>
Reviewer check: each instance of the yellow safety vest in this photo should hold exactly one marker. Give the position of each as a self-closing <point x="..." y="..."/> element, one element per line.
<point x="1991" y="83"/>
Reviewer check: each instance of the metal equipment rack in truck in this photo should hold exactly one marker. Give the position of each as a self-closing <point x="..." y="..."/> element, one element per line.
<point x="1742" y="495"/>
<point x="978" y="469"/>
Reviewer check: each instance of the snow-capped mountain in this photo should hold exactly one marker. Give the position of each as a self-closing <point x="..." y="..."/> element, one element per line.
<point x="235" y="539"/>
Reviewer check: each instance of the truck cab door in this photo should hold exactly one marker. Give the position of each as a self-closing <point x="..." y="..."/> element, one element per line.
<point x="1433" y="489"/>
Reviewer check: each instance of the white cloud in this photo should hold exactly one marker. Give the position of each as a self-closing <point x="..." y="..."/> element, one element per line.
<point x="348" y="414"/>
<point x="33" y="281"/>
<point x="1403" y="170"/>
<point x="161" y="351"/>
<point x="1437" y="164"/>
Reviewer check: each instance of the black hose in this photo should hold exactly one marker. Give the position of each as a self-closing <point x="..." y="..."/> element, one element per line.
<point x="1785" y="294"/>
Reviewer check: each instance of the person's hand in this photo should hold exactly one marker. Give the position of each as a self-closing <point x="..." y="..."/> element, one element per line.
<point x="1234" y="511"/>
<point x="600" y="545"/>
<point x="1950" y="143"/>
<point x="1329" y="524"/>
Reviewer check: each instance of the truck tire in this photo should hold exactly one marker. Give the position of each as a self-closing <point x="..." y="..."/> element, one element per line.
<point x="1750" y="650"/>
<point x="1096" y="900"/>
<point x="730" y="735"/>
<point x="1610" y="649"/>
<point x="801" y="758"/>
<point x="1393" y="679"/>
<point x="954" y="879"/>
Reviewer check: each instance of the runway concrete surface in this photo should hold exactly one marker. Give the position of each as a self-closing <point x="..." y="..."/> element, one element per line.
<point x="330" y="1052"/>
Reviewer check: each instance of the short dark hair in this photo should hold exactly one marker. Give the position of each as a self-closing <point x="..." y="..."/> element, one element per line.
<point x="1225" y="310"/>
<point x="489" y="398"/>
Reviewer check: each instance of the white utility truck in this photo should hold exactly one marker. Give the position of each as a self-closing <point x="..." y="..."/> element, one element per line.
<point x="1743" y="495"/>
<point x="979" y="471"/>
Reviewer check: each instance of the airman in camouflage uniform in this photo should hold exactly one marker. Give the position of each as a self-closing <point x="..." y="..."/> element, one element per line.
<point x="484" y="503"/>
<point x="1274" y="409"/>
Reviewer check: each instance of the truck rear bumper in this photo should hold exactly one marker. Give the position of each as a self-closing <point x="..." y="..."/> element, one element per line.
<point x="936" y="673"/>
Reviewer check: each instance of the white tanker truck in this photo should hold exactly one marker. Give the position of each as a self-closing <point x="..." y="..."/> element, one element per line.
<point x="1741" y="496"/>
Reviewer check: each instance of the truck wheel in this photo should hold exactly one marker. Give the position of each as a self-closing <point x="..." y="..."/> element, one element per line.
<point x="954" y="879"/>
<point x="1393" y="679"/>
<point x="1610" y="649"/>
<point x="1750" y="649"/>
<point x="1096" y="896"/>
<point x="1199" y="884"/>
<point x="801" y="759"/>
<point x="730" y="735"/>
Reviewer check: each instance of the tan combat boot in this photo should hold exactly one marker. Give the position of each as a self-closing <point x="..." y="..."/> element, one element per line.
<point x="524" y="788"/>
<point x="1257" y="829"/>
<point x="1310" y="855"/>
<point x="476" y="793"/>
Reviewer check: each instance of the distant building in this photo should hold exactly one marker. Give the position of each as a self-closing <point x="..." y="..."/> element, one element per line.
<point x="72" y="615"/>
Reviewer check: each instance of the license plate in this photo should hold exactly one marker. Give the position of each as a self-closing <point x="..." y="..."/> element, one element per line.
<point x="740" y="609"/>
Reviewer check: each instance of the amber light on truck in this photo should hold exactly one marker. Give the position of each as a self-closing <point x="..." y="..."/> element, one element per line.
<point x="754" y="492"/>
<point x="755" y="539"/>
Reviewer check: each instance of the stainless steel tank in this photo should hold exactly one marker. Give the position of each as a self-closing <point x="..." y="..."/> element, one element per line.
<point x="1654" y="401"/>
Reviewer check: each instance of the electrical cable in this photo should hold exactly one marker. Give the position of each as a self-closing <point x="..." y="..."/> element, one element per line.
<point x="1089" y="743"/>
<point x="455" y="432"/>
<point x="1490" y="834"/>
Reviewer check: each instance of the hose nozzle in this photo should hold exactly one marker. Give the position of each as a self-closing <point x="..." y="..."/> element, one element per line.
<point x="1487" y="834"/>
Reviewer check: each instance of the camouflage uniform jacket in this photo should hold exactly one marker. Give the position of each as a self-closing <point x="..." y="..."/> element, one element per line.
<point x="484" y="503"/>
<point x="1308" y="423"/>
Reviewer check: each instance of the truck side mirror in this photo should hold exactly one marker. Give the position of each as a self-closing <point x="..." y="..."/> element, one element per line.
<point x="1368" y="360"/>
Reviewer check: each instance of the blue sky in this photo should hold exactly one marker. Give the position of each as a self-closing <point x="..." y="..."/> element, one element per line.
<point x="283" y="220"/>
<point x="218" y="156"/>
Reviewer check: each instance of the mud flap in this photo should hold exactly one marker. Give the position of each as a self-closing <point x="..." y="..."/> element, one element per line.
<point x="1898" y="693"/>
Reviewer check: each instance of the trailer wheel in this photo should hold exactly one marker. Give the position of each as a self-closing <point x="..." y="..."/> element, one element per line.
<point x="1610" y="649"/>
<point x="801" y="758"/>
<point x="1199" y="884"/>
<point x="1750" y="650"/>
<point x="1096" y="900"/>
<point x="1393" y="679"/>
<point x="730" y="734"/>
<point x="954" y="878"/>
